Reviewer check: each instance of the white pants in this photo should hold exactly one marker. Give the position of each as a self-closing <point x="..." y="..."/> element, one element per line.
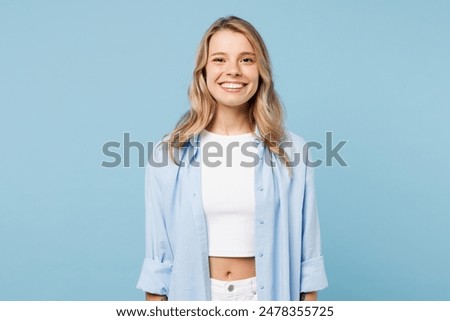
<point x="239" y="290"/>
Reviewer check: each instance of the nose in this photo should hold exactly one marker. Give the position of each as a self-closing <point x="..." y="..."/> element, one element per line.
<point x="233" y="70"/>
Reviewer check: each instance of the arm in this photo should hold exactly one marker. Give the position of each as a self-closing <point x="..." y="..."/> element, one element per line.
<point x="310" y="296"/>
<point x="155" y="297"/>
<point x="157" y="267"/>
<point x="313" y="276"/>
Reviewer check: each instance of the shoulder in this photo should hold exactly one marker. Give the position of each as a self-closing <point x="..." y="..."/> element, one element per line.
<point x="159" y="156"/>
<point x="293" y="143"/>
<point x="157" y="150"/>
<point x="297" y="150"/>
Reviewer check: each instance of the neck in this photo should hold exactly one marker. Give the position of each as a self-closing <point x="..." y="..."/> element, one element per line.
<point x="230" y="121"/>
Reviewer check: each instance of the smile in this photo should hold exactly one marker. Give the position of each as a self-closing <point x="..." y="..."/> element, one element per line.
<point x="232" y="85"/>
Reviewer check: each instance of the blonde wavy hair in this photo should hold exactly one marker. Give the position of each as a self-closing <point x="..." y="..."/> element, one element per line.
<point x="265" y="110"/>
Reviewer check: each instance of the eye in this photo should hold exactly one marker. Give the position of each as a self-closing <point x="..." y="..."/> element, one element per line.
<point x="218" y="59"/>
<point x="248" y="60"/>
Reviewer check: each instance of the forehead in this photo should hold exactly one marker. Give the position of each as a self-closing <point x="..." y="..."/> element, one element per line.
<point x="229" y="42"/>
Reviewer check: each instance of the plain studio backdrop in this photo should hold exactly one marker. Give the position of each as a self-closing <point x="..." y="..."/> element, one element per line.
<point x="75" y="75"/>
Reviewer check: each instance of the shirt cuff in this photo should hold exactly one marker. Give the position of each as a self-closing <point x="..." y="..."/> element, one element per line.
<point x="155" y="276"/>
<point x="313" y="276"/>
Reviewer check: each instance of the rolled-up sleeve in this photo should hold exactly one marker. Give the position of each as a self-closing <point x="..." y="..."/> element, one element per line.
<point x="157" y="266"/>
<point x="154" y="277"/>
<point x="313" y="276"/>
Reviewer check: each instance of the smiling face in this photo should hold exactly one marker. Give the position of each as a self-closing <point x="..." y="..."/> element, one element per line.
<point x="231" y="71"/>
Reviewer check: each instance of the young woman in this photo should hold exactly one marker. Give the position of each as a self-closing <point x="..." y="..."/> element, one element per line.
<point x="231" y="213"/>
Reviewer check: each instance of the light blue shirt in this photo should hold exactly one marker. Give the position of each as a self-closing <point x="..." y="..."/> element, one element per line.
<point x="287" y="235"/>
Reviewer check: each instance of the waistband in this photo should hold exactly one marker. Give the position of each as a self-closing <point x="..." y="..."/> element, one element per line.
<point x="238" y="285"/>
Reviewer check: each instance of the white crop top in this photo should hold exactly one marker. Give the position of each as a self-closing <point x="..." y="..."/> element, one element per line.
<point x="228" y="194"/>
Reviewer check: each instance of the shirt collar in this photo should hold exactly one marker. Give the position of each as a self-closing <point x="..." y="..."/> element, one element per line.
<point x="194" y="142"/>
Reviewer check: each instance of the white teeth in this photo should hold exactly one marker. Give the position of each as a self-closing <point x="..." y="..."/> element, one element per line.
<point x="232" y="85"/>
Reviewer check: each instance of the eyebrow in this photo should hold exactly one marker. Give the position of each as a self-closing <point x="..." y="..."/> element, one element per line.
<point x="244" y="53"/>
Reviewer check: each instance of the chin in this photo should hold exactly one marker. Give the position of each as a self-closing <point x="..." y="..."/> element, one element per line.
<point x="233" y="104"/>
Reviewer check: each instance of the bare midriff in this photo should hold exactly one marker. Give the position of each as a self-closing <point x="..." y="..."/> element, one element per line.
<point x="231" y="268"/>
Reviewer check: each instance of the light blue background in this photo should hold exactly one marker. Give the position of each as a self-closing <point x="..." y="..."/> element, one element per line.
<point x="76" y="74"/>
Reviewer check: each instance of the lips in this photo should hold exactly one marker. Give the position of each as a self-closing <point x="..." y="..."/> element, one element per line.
<point x="232" y="86"/>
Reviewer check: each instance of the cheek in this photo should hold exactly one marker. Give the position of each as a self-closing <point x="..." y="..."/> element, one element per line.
<point x="210" y="76"/>
<point x="254" y="76"/>
<point x="210" y="82"/>
<point x="255" y="80"/>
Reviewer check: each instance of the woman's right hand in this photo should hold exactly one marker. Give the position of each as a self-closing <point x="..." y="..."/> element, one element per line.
<point x="155" y="297"/>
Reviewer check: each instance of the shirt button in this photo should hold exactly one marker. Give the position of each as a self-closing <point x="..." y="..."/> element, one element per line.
<point x="230" y="287"/>
<point x="260" y="188"/>
<point x="261" y="254"/>
<point x="262" y="287"/>
<point x="261" y="221"/>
